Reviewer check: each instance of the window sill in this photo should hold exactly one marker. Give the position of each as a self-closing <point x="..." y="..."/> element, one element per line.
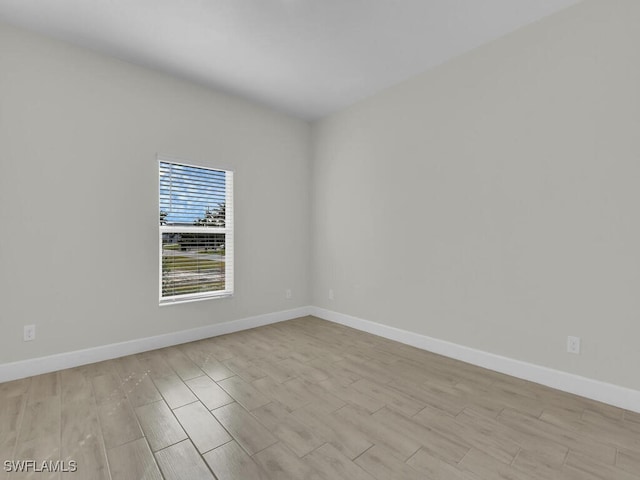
<point x="164" y="303"/>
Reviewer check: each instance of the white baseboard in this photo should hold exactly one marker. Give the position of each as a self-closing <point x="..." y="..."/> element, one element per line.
<point x="51" y="363"/>
<point x="585" y="387"/>
<point x="594" y="389"/>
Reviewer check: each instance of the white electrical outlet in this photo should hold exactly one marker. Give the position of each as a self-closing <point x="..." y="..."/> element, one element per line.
<point x="573" y="344"/>
<point x="288" y="293"/>
<point x="331" y="294"/>
<point x="29" y="333"/>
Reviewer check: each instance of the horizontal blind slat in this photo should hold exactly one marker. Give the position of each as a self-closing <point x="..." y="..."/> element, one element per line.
<point x="195" y="261"/>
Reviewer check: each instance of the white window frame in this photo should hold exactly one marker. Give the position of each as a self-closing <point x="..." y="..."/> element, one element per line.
<point x="227" y="230"/>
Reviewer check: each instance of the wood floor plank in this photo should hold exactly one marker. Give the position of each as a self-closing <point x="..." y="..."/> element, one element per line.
<point x="442" y="443"/>
<point x="230" y="462"/>
<point x="39" y="435"/>
<point x="160" y="426"/>
<point x="219" y="348"/>
<point x="600" y="470"/>
<point x="107" y="388"/>
<point x="331" y="463"/>
<point x="342" y="435"/>
<point x="140" y="390"/>
<point x="282" y="393"/>
<point x="380" y="463"/>
<point x="47" y="385"/>
<point x="603" y="409"/>
<point x="570" y="473"/>
<point x="278" y="370"/>
<point x="43" y="449"/>
<point x="305" y="371"/>
<point x="389" y="436"/>
<point x="242" y="349"/>
<point x="366" y="369"/>
<point x="244" y="428"/>
<point x="318" y="395"/>
<point x="435" y="468"/>
<point x="180" y="363"/>
<point x="99" y="368"/>
<point x="133" y="461"/>
<point x="216" y="370"/>
<point x="536" y="466"/>
<point x="244" y="393"/>
<point x="15" y="387"/>
<point x="119" y="423"/>
<point x="515" y="398"/>
<point x="75" y="384"/>
<point x="334" y="371"/>
<point x="251" y="347"/>
<point x="474" y="400"/>
<point x="616" y="432"/>
<point x="89" y="462"/>
<point x="81" y="439"/>
<point x="544" y="448"/>
<point x="182" y="462"/>
<point x="245" y="369"/>
<point x="298" y="368"/>
<point x="430" y="396"/>
<point x="411" y="372"/>
<point x="174" y="391"/>
<point x="487" y="467"/>
<point x="628" y="461"/>
<point x="11" y="411"/>
<point x="465" y="430"/>
<point x="391" y="398"/>
<point x="296" y="435"/>
<point x="128" y="366"/>
<point x="375" y="355"/>
<point x="488" y="435"/>
<point x="41" y="418"/>
<point x="280" y="463"/>
<point x="632" y="417"/>
<point x="203" y="429"/>
<point x="209" y="392"/>
<point x="197" y="352"/>
<point x="557" y="430"/>
<point x="352" y="396"/>
<point x="154" y="364"/>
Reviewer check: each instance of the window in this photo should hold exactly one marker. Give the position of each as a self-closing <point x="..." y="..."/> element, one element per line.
<point x="196" y="232"/>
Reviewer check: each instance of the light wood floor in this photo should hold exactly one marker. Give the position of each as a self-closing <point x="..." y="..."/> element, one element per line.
<point x="308" y="399"/>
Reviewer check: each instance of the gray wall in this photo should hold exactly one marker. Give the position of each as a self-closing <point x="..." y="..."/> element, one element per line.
<point x="494" y="201"/>
<point x="79" y="134"/>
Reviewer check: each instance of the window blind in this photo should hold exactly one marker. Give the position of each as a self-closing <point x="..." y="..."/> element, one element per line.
<point x="196" y="232"/>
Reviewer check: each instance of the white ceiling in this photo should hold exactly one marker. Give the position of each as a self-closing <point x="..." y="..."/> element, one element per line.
<point x="305" y="57"/>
